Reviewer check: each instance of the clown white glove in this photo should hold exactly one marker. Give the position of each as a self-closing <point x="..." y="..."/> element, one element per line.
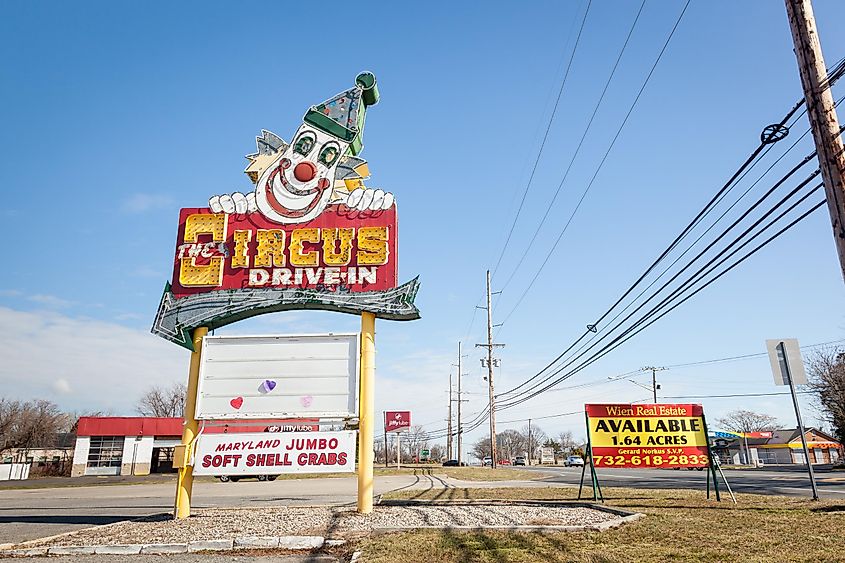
<point x="366" y="199"/>
<point x="234" y="203"/>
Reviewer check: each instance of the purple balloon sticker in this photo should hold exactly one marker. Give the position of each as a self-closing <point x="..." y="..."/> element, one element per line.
<point x="267" y="386"/>
<point x="306" y="400"/>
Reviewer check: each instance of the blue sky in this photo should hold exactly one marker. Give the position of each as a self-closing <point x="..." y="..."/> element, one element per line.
<point x="114" y="116"/>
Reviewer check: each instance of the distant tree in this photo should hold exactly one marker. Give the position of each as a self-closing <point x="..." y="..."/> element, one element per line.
<point x="30" y="424"/>
<point x="567" y="442"/>
<point x="163" y="402"/>
<point x="437" y="452"/>
<point x="510" y="444"/>
<point x="533" y="440"/>
<point x="741" y="420"/>
<point x="481" y="448"/>
<point x="827" y="381"/>
<point x="414" y="440"/>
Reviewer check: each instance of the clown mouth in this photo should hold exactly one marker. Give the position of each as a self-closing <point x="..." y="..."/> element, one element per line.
<point x="316" y="193"/>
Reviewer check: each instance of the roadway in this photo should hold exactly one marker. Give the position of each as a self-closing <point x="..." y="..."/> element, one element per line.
<point x="33" y="513"/>
<point x="787" y="481"/>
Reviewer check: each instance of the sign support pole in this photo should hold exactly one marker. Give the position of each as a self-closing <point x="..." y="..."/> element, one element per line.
<point x="185" y="481"/>
<point x="784" y="366"/>
<point x="712" y="469"/>
<point x="366" y="414"/>
<point x="384" y="419"/>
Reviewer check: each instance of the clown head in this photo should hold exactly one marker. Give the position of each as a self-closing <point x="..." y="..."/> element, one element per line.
<point x="295" y="182"/>
<point x="298" y="185"/>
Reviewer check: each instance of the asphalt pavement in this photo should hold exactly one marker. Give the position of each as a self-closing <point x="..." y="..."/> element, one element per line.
<point x="789" y="481"/>
<point x="32" y="513"/>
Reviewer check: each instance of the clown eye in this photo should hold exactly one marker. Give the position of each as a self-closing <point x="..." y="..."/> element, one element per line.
<point x="304" y="144"/>
<point x="329" y="154"/>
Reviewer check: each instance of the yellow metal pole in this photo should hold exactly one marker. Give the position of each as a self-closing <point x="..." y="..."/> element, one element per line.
<point x="185" y="482"/>
<point x="366" y="413"/>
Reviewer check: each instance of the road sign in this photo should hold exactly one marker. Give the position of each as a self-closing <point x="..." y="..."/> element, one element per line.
<point x="278" y="377"/>
<point x="792" y="353"/>
<point x="547" y="455"/>
<point x="264" y="453"/>
<point x="395" y="421"/>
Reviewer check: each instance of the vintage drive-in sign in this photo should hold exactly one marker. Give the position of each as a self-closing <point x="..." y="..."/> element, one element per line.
<point x="658" y="435"/>
<point x="310" y="234"/>
<point x="264" y="453"/>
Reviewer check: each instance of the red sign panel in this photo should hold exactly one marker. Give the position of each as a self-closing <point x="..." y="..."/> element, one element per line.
<point x="664" y="435"/>
<point x="396" y="420"/>
<point x="341" y="249"/>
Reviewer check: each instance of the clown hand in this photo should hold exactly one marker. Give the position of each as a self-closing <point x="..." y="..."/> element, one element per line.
<point x="234" y="203"/>
<point x="367" y="199"/>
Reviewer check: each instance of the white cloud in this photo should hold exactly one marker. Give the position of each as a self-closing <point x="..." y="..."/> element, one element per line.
<point x="142" y="202"/>
<point x="61" y="385"/>
<point x="49" y="300"/>
<point x="106" y="366"/>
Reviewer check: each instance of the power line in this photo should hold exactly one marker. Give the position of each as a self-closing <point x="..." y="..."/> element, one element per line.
<point x="627" y="335"/>
<point x="549" y="207"/>
<point x="600" y="166"/>
<point x="545" y="137"/>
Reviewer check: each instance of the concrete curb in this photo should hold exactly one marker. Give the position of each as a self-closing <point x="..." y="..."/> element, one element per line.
<point x="292" y="543"/>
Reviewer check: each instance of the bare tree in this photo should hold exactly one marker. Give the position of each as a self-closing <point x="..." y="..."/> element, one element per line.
<point x="31" y="424"/>
<point x="567" y="442"/>
<point x="741" y="420"/>
<point x="163" y="402"/>
<point x="481" y="448"/>
<point x="437" y="452"/>
<point x="537" y="438"/>
<point x="510" y="443"/>
<point x="827" y="381"/>
<point x="412" y="441"/>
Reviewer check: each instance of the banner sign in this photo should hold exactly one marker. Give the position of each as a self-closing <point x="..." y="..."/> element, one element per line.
<point x="272" y="454"/>
<point x="308" y="234"/>
<point x="664" y="435"/>
<point x="243" y="377"/>
<point x="396" y="420"/>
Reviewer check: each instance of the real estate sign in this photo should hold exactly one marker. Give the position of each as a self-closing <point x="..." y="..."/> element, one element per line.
<point x="264" y="453"/>
<point x="650" y="435"/>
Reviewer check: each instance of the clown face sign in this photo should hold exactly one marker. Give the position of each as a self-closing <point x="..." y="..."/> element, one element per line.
<point x="310" y="234"/>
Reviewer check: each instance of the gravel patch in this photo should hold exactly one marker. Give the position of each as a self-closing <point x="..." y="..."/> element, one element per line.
<point x="330" y="522"/>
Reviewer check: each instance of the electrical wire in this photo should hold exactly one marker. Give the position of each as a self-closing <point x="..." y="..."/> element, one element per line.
<point x="545" y="137"/>
<point x="549" y="207"/>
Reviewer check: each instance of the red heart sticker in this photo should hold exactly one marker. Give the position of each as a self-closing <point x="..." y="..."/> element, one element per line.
<point x="237" y="402"/>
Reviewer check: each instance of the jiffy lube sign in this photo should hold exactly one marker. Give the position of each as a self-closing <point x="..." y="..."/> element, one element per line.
<point x="309" y="234"/>
<point x="263" y="453"/>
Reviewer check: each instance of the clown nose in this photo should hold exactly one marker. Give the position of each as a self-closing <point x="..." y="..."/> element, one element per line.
<point x="305" y="171"/>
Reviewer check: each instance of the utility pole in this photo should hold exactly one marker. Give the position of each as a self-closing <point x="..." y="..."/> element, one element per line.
<point x="490" y="388"/>
<point x="822" y="114"/>
<point x="654" y="385"/>
<point x="460" y="376"/>
<point x="449" y="421"/>
<point x="529" y="442"/>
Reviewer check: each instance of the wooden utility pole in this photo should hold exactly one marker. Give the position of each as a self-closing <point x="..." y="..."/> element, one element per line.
<point x="490" y="388"/>
<point x="460" y="376"/>
<point x="822" y="114"/>
<point x="449" y="422"/>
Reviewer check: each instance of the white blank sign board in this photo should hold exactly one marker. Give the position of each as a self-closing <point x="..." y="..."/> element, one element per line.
<point x="278" y="377"/>
<point x="794" y="361"/>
